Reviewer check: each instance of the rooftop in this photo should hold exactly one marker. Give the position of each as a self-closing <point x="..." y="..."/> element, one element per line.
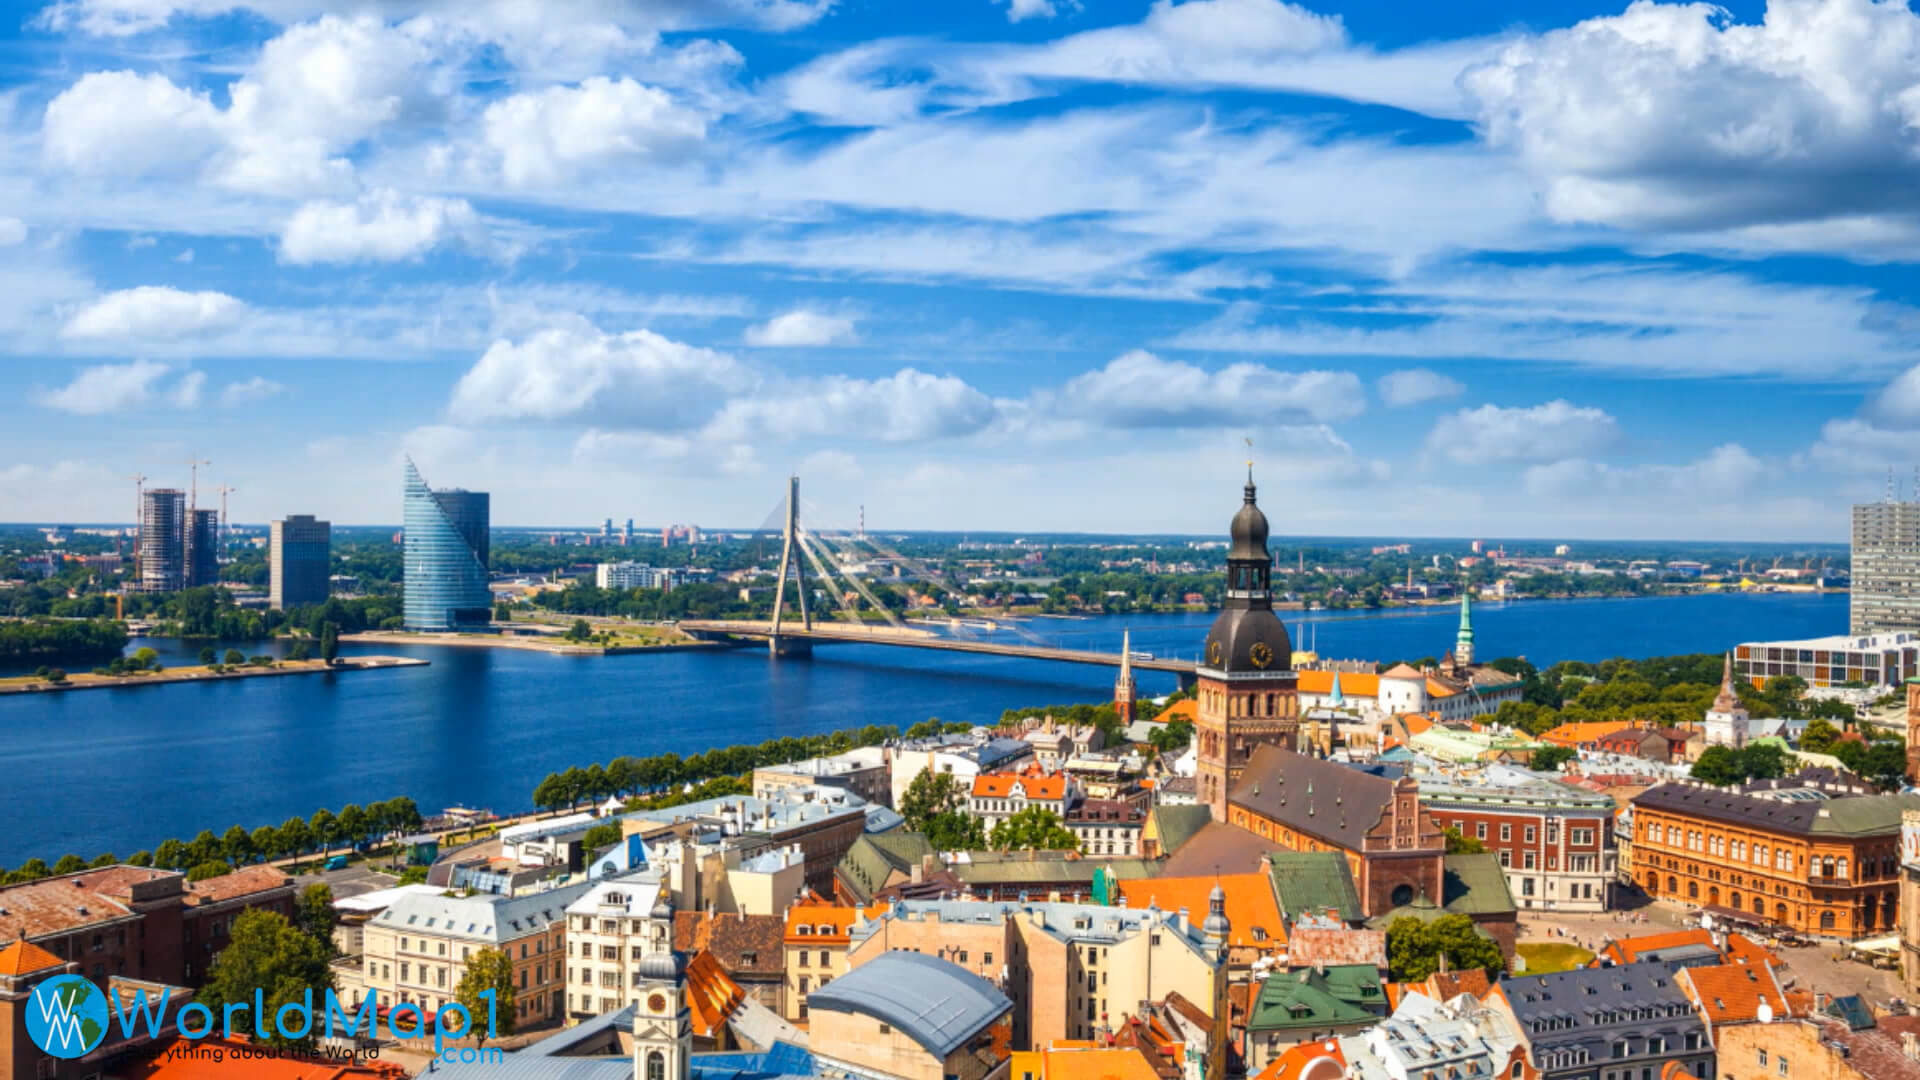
<point x="936" y="1004"/>
<point x="1251" y="908"/>
<point x="1320" y="798"/>
<point x="1858" y="815"/>
<point x="492" y="919"/>
<point x="1310" y="882"/>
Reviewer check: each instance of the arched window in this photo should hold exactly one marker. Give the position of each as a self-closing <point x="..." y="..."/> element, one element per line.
<point x="1733" y="900"/>
<point x="1780" y="913"/>
<point x="1693" y="890"/>
<point x="656" y="1065"/>
<point x="1826" y="920"/>
<point x="1843" y="866"/>
<point x="1713" y="895"/>
<point x="1402" y="895"/>
<point x="1673" y="884"/>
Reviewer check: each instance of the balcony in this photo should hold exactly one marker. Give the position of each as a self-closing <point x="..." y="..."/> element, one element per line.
<point x="1822" y="879"/>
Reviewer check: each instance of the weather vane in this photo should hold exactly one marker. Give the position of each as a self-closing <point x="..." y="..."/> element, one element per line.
<point x="1249" y="441"/>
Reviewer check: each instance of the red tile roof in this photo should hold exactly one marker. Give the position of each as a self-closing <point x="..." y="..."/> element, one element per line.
<point x="242" y="882"/>
<point x="1051" y="788"/>
<point x="24" y="958"/>
<point x="1252" y="909"/>
<point x="1733" y="993"/>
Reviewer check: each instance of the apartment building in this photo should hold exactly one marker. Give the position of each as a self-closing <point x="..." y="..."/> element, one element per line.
<point x="1554" y="841"/>
<point x="611" y="928"/>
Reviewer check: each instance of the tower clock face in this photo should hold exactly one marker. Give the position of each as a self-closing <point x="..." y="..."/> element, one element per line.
<point x="1261" y="654"/>
<point x="657" y="1003"/>
<point x="1214" y="652"/>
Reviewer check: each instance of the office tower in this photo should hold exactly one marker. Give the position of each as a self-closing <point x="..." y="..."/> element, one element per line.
<point x="1886" y="567"/>
<point x="446" y="557"/>
<point x="626" y="534"/>
<point x="300" y="560"/>
<point x="163" y="540"/>
<point x="606" y="529"/>
<point x="203" y="547"/>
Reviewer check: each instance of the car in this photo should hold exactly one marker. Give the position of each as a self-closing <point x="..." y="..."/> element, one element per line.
<point x="338" y="862"/>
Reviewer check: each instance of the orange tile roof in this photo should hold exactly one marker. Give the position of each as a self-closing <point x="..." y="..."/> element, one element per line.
<point x="1733" y="993"/>
<point x="1069" y="1060"/>
<point x="1417" y="723"/>
<point x="1438" y="689"/>
<point x="1036" y="785"/>
<point x="826" y="922"/>
<point x="1187" y="709"/>
<point x="1402" y="670"/>
<point x="24" y="957"/>
<point x="1739" y="948"/>
<point x="1251" y="904"/>
<point x="1307" y="1061"/>
<point x="1352" y="683"/>
<point x="235" y="1063"/>
<point x="1581" y="732"/>
<point x="712" y="995"/>
<point x="52" y="905"/>
<point x="242" y="882"/>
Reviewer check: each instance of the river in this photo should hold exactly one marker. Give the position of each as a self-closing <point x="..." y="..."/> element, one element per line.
<point x="481" y="726"/>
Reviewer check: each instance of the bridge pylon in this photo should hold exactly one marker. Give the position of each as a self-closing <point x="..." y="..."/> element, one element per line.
<point x="777" y="644"/>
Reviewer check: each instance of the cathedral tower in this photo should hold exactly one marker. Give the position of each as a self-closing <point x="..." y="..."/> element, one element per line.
<point x="1246" y="687"/>
<point x="1727" y="720"/>
<point x="1123" y="687"/>
<point x="1463" y="641"/>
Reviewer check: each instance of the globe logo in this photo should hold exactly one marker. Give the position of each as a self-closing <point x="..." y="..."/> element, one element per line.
<point x="67" y="1016"/>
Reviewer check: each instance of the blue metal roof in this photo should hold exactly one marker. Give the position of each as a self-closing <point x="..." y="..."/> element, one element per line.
<point x="938" y="1005"/>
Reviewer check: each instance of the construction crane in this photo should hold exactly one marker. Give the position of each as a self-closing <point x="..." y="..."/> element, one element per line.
<point x="193" y="486"/>
<point x="139" y="504"/>
<point x="225" y="491"/>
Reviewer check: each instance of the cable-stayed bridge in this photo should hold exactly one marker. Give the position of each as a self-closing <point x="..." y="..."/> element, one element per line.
<point x="795" y="634"/>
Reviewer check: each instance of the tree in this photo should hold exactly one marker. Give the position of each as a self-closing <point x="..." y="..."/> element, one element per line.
<point x="267" y="953"/>
<point x="1819" y="736"/>
<point x="145" y="658"/>
<point x="238" y="845"/>
<point x="502" y="613"/>
<point x="1414" y="947"/>
<point x="234" y="658"/>
<point x="204" y="847"/>
<point x="325" y="829"/>
<point x="266" y="841"/>
<point x="329" y="642"/>
<point x="601" y="836"/>
<point x="313" y="914"/>
<point x="299" y="651"/>
<point x="104" y="859"/>
<point x="354" y="825"/>
<point x="579" y="631"/>
<point x="56" y="676"/>
<point x="1718" y="765"/>
<point x="69" y="864"/>
<point x="170" y="855"/>
<point x="142" y="857"/>
<point x="207" y="656"/>
<point x="295" y="836"/>
<point x="956" y="830"/>
<point x="488" y="969"/>
<point x="550" y="793"/>
<point x="212" y="868"/>
<point x="1459" y="843"/>
<point x="1763" y="761"/>
<point x="1033" y="828"/>
<point x="1551" y="758"/>
<point x="929" y="793"/>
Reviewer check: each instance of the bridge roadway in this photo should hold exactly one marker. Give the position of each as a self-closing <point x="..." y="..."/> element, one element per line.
<point x="921" y="639"/>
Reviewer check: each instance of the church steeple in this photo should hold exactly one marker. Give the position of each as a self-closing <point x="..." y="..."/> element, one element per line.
<point x="1123" y="687"/>
<point x="1728" y="699"/>
<point x="1249" y="564"/>
<point x="1336" y="699"/>
<point x="1463" y="641"/>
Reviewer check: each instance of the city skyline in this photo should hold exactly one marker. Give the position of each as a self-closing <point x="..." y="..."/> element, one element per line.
<point x="1523" y="270"/>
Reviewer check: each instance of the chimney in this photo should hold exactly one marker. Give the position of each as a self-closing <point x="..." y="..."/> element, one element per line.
<point x="1181" y="920"/>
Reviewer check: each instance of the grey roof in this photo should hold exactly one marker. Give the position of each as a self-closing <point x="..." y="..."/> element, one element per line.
<point x="1476" y="885"/>
<point x="1589" y="1008"/>
<point x="483" y="917"/>
<point x="1179" y="823"/>
<point x="1860" y="815"/>
<point x="1313" y="881"/>
<point x="936" y="1004"/>
<point x="1314" y="796"/>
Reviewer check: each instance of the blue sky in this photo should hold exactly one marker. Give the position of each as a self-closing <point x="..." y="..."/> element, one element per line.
<point x="1542" y="269"/>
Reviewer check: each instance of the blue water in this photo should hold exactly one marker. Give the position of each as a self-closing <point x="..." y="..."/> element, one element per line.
<point x="122" y="770"/>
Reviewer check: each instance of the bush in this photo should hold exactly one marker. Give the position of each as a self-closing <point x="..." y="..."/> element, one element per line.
<point x="413" y="875"/>
<point x="299" y="651"/>
<point x="56" y="676"/>
<point x="233" y="658"/>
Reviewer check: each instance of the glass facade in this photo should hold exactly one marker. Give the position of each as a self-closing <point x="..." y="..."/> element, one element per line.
<point x="300" y="561"/>
<point x="163" y="540"/>
<point x="1886" y="567"/>
<point x="446" y="557"/>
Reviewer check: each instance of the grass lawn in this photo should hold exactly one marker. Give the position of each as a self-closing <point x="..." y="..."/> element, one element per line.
<point x="1544" y="958"/>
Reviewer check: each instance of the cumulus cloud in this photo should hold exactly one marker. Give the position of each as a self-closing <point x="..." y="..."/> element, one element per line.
<point x="127" y="125"/>
<point x="801" y="328"/>
<point x="1018" y="10"/>
<point x="1676" y="116"/>
<point x="108" y="388"/>
<point x="1139" y="389"/>
<point x="548" y="136"/>
<point x="257" y="388"/>
<point x="636" y="380"/>
<point x="1415" y="385"/>
<point x="153" y="311"/>
<point x="1555" y="431"/>
<point x="1726" y="472"/>
<point x="907" y="406"/>
<point x="382" y="226"/>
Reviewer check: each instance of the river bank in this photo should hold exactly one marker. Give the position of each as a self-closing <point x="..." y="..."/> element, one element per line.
<point x="31" y="684"/>
<point x="554" y="646"/>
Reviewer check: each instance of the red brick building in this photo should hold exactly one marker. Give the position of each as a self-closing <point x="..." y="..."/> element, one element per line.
<point x="1393" y="846"/>
<point x="1554" y="841"/>
<point x="137" y="922"/>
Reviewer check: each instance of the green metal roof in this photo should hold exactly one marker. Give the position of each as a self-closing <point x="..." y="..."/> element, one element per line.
<point x="1307" y="881"/>
<point x="1178" y="824"/>
<point x="1343" y="994"/>
<point x="875" y="856"/>
<point x="1476" y="885"/>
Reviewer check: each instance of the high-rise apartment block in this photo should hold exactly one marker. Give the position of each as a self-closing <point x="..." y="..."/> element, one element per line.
<point x="299" y="559"/>
<point x="163" y="540"/>
<point x="203" y="547"/>
<point x="633" y="575"/>
<point x="447" y="547"/>
<point x="1886" y="567"/>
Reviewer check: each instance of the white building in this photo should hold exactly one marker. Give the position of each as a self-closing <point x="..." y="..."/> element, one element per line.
<point x="633" y="575"/>
<point x="610" y="931"/>
<point x="1727" y="721"/>
<point x="1877" y="660"/>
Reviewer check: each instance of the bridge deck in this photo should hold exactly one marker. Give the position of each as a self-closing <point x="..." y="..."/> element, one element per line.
<point x="923" y="639"/>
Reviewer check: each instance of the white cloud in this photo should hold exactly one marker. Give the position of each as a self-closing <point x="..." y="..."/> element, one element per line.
<point x="382" y="226"/>
<point x="1849" y="444"/>
<point x="1676" y="116"/>
<point x="1723" y="474"/>
<point x="153" y="311"/>
<point x="505" y="21"/>
<point x="125" y="125"/>
<point x="13" y="232"/>
<point x="637" y="380"/>
<point x="908" y="406"/>
<point x="1139" y="389"/>
<point x="801" y="328"/>
<point x="108" y="388"/>
<point x="185" y="256"/>
<point x="1897" y="404"/>
<point x="1554" y="431"/>
<point x="1028" y="9"/>
<point x="547" y="136"/>
<point x="1416" y="385"/>
<point x="257" y="388"/>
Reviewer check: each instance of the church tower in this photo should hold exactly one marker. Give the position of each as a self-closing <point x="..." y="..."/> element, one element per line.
<point x="1463" y="641"/>
<point x="662" y="1024"/>
<point x="1913" y="731"/>
<point x="1123" y="688"/>
<point x="1246" y="686"/>
<point x="1727" y="720"/>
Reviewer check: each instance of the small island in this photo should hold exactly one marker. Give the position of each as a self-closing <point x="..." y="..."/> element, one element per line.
<point x="55" y="680"/>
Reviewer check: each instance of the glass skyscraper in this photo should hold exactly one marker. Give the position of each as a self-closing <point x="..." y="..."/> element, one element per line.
<point x="446" y="557"/>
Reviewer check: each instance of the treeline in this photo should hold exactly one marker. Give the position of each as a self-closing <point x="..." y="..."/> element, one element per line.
<point x="625" y="776"/>
<point x="61" y="639"/>
<point x="1664" y="690"/>
<point x="207" y="855"/>
<point x="700" y="600"/>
